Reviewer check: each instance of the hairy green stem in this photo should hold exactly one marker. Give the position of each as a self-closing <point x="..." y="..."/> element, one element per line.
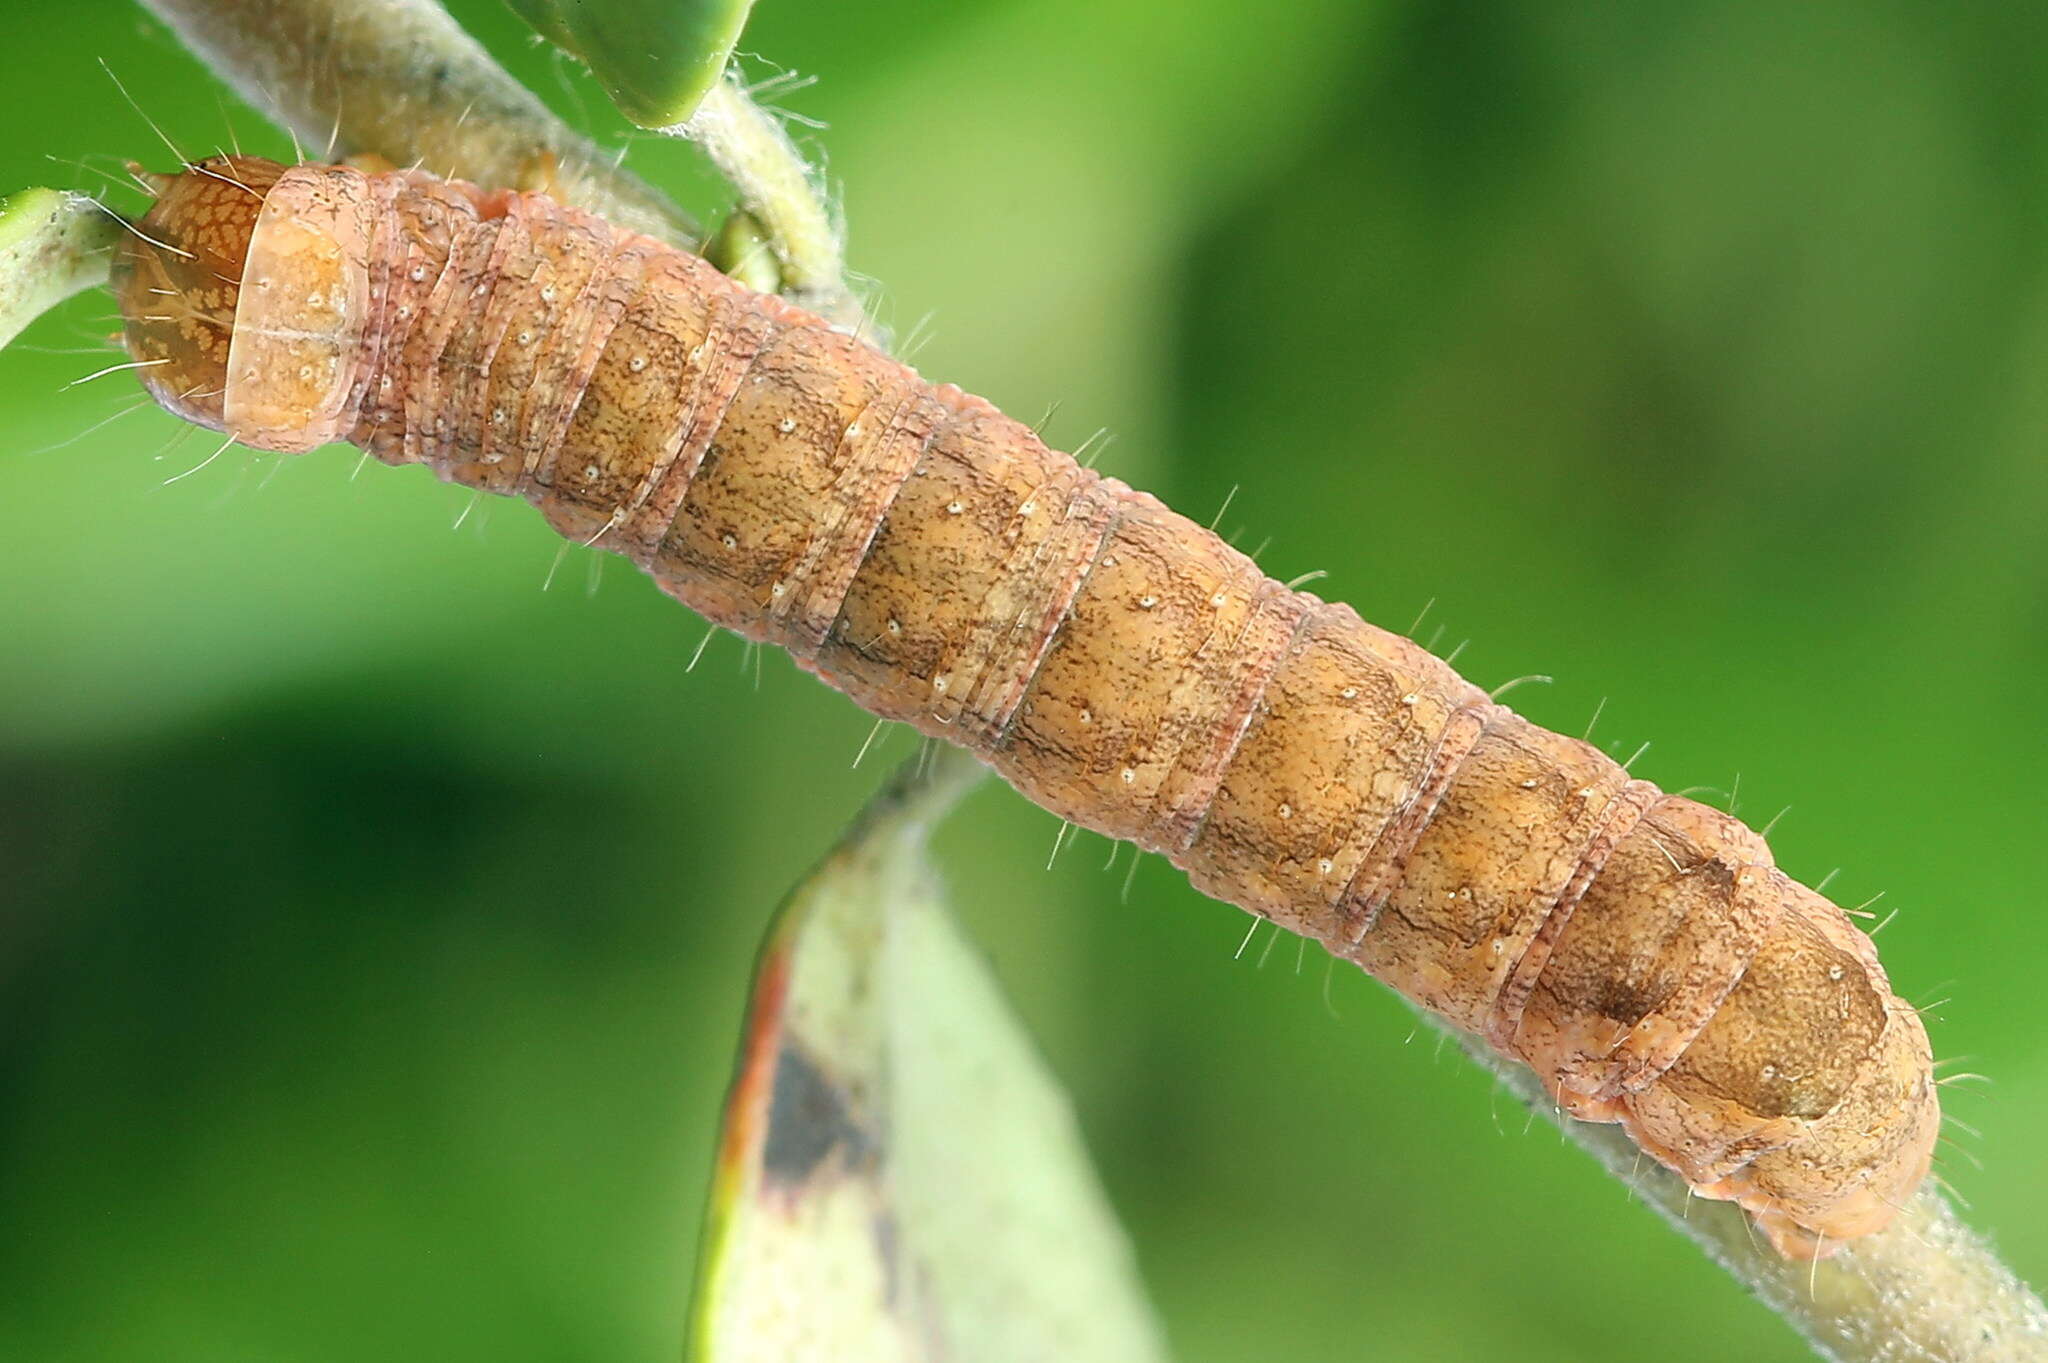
<point x="52" y="245"/>
<point x="1926" y="1287"/>
<point x="779" y="189"/>
<point x="401" y="80"/>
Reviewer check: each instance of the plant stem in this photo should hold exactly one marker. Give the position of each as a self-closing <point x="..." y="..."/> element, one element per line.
<point x="52" y="245"/>
<point x="1925" y="1287"/>
<point x="776" y="185"/>
<point x="399" y="79"/>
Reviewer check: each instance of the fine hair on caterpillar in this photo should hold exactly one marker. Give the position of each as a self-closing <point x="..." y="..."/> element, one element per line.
<point x="1120" y="665"/>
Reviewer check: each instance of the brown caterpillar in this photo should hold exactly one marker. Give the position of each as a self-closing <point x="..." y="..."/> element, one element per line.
<point x="1121" y="666"/>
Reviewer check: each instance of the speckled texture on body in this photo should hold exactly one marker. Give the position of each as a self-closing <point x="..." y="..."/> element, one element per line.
<point x="1119" y="665"/>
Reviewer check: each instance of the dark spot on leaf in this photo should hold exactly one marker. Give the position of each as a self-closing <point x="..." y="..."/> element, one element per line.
<point x="807" y="1120"/>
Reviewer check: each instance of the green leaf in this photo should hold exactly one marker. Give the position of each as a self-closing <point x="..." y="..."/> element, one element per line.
<point x="899" y="1178"/>
<point x="655" y="58"/>
<point x="52" y="245"/>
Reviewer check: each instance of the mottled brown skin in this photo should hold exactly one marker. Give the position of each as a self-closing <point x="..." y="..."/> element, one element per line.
<point x="179" y="288"/>
<point x="1119" y="665"/>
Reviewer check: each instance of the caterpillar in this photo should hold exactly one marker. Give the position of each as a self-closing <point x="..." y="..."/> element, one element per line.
<point x="1119" y="665"/>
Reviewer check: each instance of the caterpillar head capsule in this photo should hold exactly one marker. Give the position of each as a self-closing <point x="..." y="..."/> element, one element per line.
<point x="248" y="289"/>
<point x="178" y="277"/>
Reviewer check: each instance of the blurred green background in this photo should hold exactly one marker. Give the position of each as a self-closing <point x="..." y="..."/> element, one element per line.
<point x="375" y="925"/>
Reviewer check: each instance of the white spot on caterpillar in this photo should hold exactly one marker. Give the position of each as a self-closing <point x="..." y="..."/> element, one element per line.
<point x="1325" y="866"/>
<point x="953" y="508"/>
<point x="939" y="684"/>
<point x="776" y="589"/>
<point x="1027" y="508"/>
<point x="786" y="425"/>
<point x="895" y="627"/>
<point x="728" y="541"/>
<point x="1349" y="693"/>
<point x="418" y="272"/>
<point x="590" y="472"/>
<point x="1286" y="811"/>
<point x="498" y="415"/>
<point x="1410" y="699"/>
<point x="1130" y="776"/>
<point x="637" y="363"/>
<point x="1147" y="602"/>
<point x="1087" y="716"/>
<point x="853" y="431"/>
<point x="547" y="293"/>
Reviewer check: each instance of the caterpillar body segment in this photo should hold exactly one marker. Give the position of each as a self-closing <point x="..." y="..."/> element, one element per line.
<point x="1120" y="665"/>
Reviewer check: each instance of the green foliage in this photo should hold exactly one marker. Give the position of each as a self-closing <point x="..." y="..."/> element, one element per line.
<point x="900" y="1179"/>
<point x="655" y="58"/>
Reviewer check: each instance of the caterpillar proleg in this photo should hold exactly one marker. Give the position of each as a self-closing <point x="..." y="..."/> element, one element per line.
<point x="1119" y="664"/>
